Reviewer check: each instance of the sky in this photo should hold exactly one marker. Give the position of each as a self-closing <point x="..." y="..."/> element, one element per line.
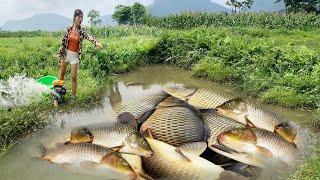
<point x="21" y="9"/>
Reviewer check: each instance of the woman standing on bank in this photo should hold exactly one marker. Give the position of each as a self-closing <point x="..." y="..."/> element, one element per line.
<point x="71" y="48"/>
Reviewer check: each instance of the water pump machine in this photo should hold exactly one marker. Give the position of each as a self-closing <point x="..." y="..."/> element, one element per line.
<point x="58" y="92"/>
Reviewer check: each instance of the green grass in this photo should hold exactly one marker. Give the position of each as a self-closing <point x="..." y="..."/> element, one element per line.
<point x="309" y="169"/>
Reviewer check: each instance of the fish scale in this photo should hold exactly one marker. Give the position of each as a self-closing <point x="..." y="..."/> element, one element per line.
<point x="279" y="147"/>
<point x="262" y="117"/>
<point x="110" y="134"/>
<point x="205" y="99"/>
<point x="142" y="104"/>
<point x="217" y="124"/>
<point x="175" y="125"/>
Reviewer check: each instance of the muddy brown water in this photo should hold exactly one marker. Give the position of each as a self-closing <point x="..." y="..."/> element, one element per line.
<point x="21" y="161"/>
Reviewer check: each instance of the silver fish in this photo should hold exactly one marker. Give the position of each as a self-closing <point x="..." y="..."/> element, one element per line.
<point x="259" y="142"/>
<point x="113" y="135"/>
<point x="88" y="155"/>
<point x="253" y="114"/>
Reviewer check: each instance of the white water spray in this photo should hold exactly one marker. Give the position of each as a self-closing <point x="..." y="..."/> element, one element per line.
<point x="20" y="90"/>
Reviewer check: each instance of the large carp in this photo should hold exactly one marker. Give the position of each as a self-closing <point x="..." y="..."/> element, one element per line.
<point x="88" y="156"/>
<point x="253" y="114"/>
<point x="217" y="124"/>
<point x="169" y="162"/>
<point x="113" y="135"/>
<point x="175" y="123"/>
<point x="260" y="143"/>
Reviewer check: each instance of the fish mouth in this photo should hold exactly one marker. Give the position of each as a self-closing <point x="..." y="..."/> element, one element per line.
<point x="148" y="154"/>
<point x="221" y="139"/>
<point x="133" y="176"/>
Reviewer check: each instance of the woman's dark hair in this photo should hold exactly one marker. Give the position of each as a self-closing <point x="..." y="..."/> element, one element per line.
<point x="77" y="12"/>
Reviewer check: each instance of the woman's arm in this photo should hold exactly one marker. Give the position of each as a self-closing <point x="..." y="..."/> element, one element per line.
<point x="63" y="45"/>
<point x="91" y="38"/>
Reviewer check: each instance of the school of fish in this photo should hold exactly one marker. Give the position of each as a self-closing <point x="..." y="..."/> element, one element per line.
<point x="162" y="136"/>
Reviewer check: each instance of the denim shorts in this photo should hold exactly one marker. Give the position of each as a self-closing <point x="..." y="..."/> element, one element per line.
<point x="72" y="57"/>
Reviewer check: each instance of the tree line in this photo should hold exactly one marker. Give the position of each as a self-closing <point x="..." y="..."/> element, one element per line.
<point x="139" y="14"/>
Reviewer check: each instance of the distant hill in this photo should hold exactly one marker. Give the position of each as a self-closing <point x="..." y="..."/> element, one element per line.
<point x="267" y="5"/>
<point x="166" y="7"/>
<point x="107" y="20"/>
<point x="45" y="22"/>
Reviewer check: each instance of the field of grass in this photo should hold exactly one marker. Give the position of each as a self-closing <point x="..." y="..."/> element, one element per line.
<point x="261" y="20"/>
<point x="279" y="66"/>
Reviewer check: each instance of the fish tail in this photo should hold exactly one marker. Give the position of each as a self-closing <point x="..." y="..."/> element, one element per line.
<point x="42" y="150"/>
<point x="38" y="152"/>
<point x="145" y="176"/>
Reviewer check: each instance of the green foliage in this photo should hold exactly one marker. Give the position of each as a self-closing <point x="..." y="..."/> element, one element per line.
<point x="135" y="14"/>
<point x="301" y="5"/>
<point x="263" y="20"/>
<point x="138" y="13"/>
<point x="237" y="6"/>
<point x="277" y="72"/>
<point x="122" y="14"/>
<point x="94" y="17"/>
<point x="310" y="169"/>
<point x="19" y="121"/>
<point x="213" y="69"/>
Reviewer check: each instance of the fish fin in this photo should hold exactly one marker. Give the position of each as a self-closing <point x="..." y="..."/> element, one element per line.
<point x="145" y="116"/>
<point x="133" y="84"/>
<point x="238" y="156"/>
<point x="128" y="118"/>
<point x="264" y="152"/>
<point x="223" y="148"/>
<point x="248" y="122"/>
<point x="42" y="151"/>
<point x="58" y="144"/>
<point x="213" y="111"/>
<point x="231" y="176"/>
<point x="196" y="148"/>
<point x="178" y="150"/>
<point x="116" y="148"/>
<point x="89" y="164"/>
<point x="66" y="165"/>
<point x="147" y="133"/>
<point x="226" y="164"/>
<point x="145" y="176"/>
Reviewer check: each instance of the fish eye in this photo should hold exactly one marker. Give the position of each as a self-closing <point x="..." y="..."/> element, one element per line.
<point x="126" y="164"/>
<point x="144" y="143"/>
<point x="234" y="130"/>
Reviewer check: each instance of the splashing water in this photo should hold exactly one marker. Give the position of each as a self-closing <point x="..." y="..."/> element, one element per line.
<point x="20" y="90"/>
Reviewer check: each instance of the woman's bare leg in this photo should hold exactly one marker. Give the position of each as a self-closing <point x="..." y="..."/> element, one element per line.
<point x="63" y="68"/>
<point x="74" y="74"/>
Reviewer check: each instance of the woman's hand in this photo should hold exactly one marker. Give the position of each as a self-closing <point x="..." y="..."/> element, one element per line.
<point x="98" y="45"/>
